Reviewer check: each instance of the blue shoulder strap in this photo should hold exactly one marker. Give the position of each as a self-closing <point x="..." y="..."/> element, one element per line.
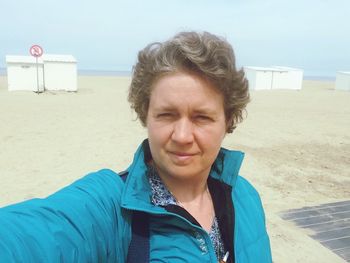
<point x="139" y="246"/>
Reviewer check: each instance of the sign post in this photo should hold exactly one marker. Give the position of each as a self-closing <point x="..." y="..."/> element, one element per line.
<point x="36" y="51"/>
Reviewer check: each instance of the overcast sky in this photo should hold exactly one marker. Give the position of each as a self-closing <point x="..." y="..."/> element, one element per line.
<point x="106" y="35"/>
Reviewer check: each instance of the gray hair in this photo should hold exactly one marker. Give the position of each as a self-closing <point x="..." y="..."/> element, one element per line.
<point x="201" y="53"/>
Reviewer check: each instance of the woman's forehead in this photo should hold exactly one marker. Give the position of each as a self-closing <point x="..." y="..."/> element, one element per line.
<point x="184" y="82"/>
<point x="182" y="90"/>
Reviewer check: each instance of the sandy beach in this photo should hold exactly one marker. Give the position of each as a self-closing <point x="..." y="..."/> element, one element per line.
<point x="297" y="146"/>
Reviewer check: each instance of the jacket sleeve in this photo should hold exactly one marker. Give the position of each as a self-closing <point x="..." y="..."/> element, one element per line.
<point x="80" y="223"/>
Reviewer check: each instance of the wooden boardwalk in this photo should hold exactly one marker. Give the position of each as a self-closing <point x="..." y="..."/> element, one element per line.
<point x="330" y="224"/>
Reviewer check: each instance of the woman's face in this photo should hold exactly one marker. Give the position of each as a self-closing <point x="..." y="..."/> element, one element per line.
<point x="186" y="125"/>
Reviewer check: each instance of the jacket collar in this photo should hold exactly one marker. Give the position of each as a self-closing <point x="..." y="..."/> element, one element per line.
<point x="137" y="191"/>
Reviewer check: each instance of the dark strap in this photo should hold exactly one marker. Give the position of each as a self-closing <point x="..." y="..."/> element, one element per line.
<point x="224" y="212"/>
<point x="140" y="245"/>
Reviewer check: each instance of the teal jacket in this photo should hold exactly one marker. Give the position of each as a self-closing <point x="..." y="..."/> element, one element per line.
<point x="90" y="221"/>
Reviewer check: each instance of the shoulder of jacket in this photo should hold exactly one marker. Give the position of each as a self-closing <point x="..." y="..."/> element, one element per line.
<point x="245" y="187"/>
<point x="103" y="182"/>
<point x="104" y="174"/>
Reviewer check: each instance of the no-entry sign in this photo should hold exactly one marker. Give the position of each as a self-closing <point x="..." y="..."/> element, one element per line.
<point x="36" y="51"/>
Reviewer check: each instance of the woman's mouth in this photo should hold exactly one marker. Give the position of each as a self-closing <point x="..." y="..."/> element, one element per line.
<point x="181" y="157"/>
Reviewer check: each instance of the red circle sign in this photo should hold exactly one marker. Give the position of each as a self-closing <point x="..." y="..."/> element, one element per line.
<point x="36" y="51"/>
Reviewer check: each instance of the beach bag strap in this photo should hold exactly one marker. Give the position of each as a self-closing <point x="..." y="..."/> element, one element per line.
<point x="140" y="245"/>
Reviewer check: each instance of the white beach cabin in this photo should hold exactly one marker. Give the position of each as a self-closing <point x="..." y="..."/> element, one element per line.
<point x="55" y="72"/>
<point x="259" y="77"/>
<point x="266" y="78"/>
<point x="288" y="78"/>
<point x="22" y="73"/>
<point x="60" y="72"/>
<point x="342" y="80"/>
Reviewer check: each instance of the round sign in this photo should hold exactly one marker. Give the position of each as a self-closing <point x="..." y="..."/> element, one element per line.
<point x="36" y="50"/>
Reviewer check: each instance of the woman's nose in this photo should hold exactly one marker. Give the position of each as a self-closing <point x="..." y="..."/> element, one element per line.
<point x="183" y="131"/>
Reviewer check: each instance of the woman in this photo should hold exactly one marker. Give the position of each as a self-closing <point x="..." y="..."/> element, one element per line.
<point x="182" y="190"/>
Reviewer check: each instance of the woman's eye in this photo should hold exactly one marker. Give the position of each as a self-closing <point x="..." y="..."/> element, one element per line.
<point x="165" y="115"/>
<point x="203" y="118"/>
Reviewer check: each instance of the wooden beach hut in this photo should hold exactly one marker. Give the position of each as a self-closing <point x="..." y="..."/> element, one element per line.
<point x="342" y="80"/>
<point x="60" y="72"/>
<point x="55" y="72"/>
<point x="23" y="74"/>
<point x="277" y="77"/>
<point x="259" y="78"/>
<point x="287" y="78"/>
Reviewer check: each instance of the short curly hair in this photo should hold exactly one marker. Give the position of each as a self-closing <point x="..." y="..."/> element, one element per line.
<point x="202" y="53"/>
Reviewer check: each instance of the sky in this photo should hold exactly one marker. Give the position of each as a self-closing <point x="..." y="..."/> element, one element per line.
<point x="313" y="35"/>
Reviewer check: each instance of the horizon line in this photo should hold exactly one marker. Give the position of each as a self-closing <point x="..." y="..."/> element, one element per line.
<point x="113" y="72"/>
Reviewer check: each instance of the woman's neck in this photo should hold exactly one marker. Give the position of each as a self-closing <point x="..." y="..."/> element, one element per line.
<point x="194" y="196"/>
<point x="186" y="190"/>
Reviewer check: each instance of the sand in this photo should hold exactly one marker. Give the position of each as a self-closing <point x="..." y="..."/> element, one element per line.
<point x="297" y="146"/>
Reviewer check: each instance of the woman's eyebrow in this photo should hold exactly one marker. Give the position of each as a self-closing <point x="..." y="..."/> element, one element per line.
<point x="164" y="108"/>
<point x="207" y="111"/>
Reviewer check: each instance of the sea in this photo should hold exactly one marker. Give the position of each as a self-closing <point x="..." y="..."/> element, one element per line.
<point x="118" y="73"/>
<point x="90" y="72"/>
